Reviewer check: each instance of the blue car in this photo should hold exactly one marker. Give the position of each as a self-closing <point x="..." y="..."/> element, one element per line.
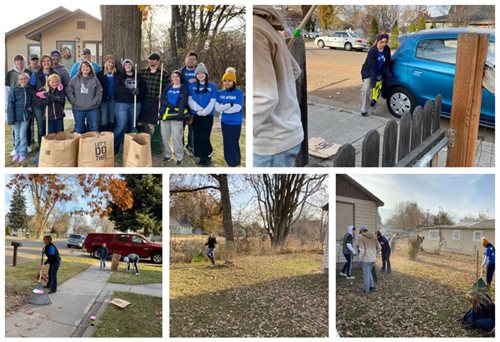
<point x="424" y="66"/>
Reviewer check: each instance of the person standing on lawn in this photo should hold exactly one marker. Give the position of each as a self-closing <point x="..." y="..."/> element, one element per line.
<point x="34" y="63"/>
<point x="107" y="77"/>
<point x="188" y="71"/>
<point x="148" y="118"/>
<point x="368" y="248"/>
<point x="134" y="259"/>
<point x="489" y="260"/>
<point x="54" y="261"/>
<point x="53" y="97"/>
<point x="103" y="254"/>
<point x="349" y="252"/>
<point x="86" y="56"/>
<point x="377" y="67"/>
<point x="211" y="242"/>
<point x="59" y="68"/>
<point x="386" y="252"/>
<point x="230" y="106"/>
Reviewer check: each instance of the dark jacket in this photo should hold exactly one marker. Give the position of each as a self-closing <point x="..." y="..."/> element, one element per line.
<point x="103" y="79"/>
<point x="178" y="107"/>
<point x="103" y="252"/>
<point x="384" y="243"/>
<point x="54" y="100"/>
<point x="369" y="68"/>
<point x="51" y="258"/>
<point x="123" y="93"/>
<point x="211" y="242"/>
<point x="20" y="105"/>
<point x="40" y="79"/>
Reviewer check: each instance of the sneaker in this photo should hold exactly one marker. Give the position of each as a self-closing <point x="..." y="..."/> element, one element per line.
<point x="350" y="278"/>
<point x="29" y="149"/>
<point x="15" y="157"/>
<point x="178" y="163"/>
<point x="167" y="159"/>
<point x="21" y="159"/>
<point x="364" y="114"/>
<point x="190" y="152"/>
<point x="13" y="153"/>
<point x="343" y="274"/>
<point x="373" y="103"/>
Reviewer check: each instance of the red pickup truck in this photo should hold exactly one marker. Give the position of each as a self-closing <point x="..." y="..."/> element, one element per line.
<point x="124" y="244"/>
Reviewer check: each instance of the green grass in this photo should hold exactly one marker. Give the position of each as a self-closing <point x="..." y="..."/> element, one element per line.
<point x="19" y="280"/>
<point x="260" y="296"/>
<point x="216" y="139"/>
<point x="142" y="318"/>
<point x="148" y="275"/>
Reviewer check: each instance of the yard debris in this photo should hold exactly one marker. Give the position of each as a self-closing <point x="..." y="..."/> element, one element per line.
<point x="121" y="303"/>
<point x="321" y="148"/>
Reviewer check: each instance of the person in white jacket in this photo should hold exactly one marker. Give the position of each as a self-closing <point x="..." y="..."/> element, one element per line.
<point x="349" y="252"/>
<point x="368" y="248"/>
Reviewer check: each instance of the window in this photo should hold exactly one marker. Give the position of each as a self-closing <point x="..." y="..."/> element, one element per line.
<point x="456" y="235"/>
<point x="433" y="234"/>
<point x="440" y="50"/>
<point x="123" y="238"/>
<point x="81" y="25"/>
<point x="34" y="49"/>
<point x="477" y="235"/>
<point x="137" y="239"/>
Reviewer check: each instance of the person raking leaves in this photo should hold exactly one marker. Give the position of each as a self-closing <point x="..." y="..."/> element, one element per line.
<point x="54" y="261"/>
<point x="211" y="242"/>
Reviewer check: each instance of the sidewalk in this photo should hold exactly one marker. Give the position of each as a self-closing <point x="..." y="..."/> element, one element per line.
<point x="74" y="301"/>
<point x="342" y="126"/>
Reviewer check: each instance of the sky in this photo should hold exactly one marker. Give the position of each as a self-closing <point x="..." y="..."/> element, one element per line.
<point x="459" y="195"/>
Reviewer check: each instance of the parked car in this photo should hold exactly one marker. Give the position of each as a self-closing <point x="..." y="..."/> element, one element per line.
<point x="313" y="35"/>
<point x="424" y="66"/>
<point x="343" y="40"/>
<point x="75" y="240"/>
<point x="124" y="244"/>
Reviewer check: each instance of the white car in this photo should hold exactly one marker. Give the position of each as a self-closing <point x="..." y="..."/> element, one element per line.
<point x="342" y="40"/>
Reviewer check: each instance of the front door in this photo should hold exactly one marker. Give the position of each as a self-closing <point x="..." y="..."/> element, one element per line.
<point x="67" y="49"/>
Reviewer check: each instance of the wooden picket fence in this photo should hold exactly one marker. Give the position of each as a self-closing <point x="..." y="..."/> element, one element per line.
<point x="418" y="134"/>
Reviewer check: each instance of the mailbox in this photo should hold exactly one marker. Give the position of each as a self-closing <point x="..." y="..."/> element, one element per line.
<point x="16" y="244"/>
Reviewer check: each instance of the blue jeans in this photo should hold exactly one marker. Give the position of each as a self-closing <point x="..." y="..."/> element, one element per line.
<point x="282" y="159"/>
<point x="21" y="138"/>
<point x="211" y="255"/>
<point x="107" y="114"/>
<point x="124" y="121"/>
<point x="52" y="283"/>
<point x="56" y="125"/>
<point x="90" y="115"/>
<point x="40" y="122"/>
<point x="347" y="269"/>
<point x="102" y="263"/>
<point x="367" y="276"/>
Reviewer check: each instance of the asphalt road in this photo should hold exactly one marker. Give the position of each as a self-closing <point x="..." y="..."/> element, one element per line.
<point x="334" y="79"/>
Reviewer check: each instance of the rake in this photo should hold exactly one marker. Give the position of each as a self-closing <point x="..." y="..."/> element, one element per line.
<point x="38" y="295"/>
<point x="198" y="257"/>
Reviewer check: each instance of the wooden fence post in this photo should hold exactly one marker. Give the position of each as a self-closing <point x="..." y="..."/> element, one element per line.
<point x="466" y="101"/>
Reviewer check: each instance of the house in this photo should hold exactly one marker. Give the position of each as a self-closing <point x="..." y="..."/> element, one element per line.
<point x="478" y="16"/>
<point x="355" y="206"/>
<point x="326" y="255"/>
<point x="62" y="29"/>
<point x="462" y="238"/>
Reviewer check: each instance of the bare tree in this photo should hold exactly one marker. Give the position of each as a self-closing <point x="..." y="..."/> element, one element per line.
<point x="281" y="199"/>
<point x="408" y="215"/>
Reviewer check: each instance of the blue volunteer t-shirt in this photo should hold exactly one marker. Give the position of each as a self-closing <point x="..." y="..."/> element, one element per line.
<point x="188" y="74"/>
<point x="52" y="250"/>
<point x="236" y="98"/>
<point x="202" y="98"/>
<point x="380" y="62"/>
<point x="173" y="95"/>
<point x="490" y="255"/>
<point x="33" y="78"/>
<point x="111" y="85"/>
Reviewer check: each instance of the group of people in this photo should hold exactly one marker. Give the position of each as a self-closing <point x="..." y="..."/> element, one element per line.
<point x="110" y="98"/>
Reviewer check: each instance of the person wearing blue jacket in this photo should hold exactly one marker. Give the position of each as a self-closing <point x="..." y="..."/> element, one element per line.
<point x="377" y="67"/>
<point x="489" y="260"/>
<point x="230" y="106"/>
<point x="86" y="56"/>
<point x="188" y="71"/>
<point x="386" y="252"/>
<point x="54" y="262"/>
<point x="173" y="112"/>
<point x="19" y="114"/>
<point x="202" y="98"/>
<point x="103" y="254"/>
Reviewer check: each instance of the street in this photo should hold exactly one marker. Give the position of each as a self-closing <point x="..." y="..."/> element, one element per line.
<point x="334" y="79"/>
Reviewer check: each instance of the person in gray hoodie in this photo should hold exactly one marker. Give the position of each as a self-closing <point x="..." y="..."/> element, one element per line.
<point x="368" y="248"/>
<point x="277" y="132"/>
<point x="85" y="94"/>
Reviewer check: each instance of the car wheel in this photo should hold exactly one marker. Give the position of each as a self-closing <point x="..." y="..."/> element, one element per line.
<point x="95" y="253"/>
<point x="157" y="258"/>
<point x="400" y="101"/>
<point x="69" y="246"/>
<point x="348" y="46"/>
<point x="321" y="44"/>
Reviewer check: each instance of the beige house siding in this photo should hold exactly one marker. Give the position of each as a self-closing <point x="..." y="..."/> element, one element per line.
<point x="465" y="245"/>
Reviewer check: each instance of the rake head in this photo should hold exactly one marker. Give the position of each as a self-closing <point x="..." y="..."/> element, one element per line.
<point x="38" y="296"/>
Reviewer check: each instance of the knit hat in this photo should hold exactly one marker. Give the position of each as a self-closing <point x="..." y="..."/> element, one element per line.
<point x="484" y="241"/>
<point x="230" y="75"/>
<point x="382" y="36"/>
<point x="127" y="60"/>
<point x="201" y="68"/>
<point x="55" y="52"/>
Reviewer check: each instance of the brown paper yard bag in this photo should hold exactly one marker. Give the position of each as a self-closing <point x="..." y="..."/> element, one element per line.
<point x="137" y="150"/>
<point x="96" y="150"/>
<point x="59" y="150"/>
<point x="319" y="147"/>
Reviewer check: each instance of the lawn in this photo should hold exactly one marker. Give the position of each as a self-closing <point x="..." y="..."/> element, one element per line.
<point x="259" y="296"/>
<point x="422" y="298"/>
<point x="216" y="139"/>
<point x="19" y="280"/>
<point x="142" y="318"/>
<point x="148" y="275"/>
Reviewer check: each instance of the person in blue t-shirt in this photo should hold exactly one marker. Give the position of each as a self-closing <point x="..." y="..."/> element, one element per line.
<point x="188" y="72"/>
<point x="230" y="106"/>
<point x="202" y="98"/>
<point x="377" y="67"/>
<point x="489" y="260"/>
<point x="86" y="56"/>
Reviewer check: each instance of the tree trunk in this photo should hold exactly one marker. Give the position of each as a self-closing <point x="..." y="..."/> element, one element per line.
<point x="226" y="208"/>
<point x="176" y="22"/>
<point x="121" y="31"/>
